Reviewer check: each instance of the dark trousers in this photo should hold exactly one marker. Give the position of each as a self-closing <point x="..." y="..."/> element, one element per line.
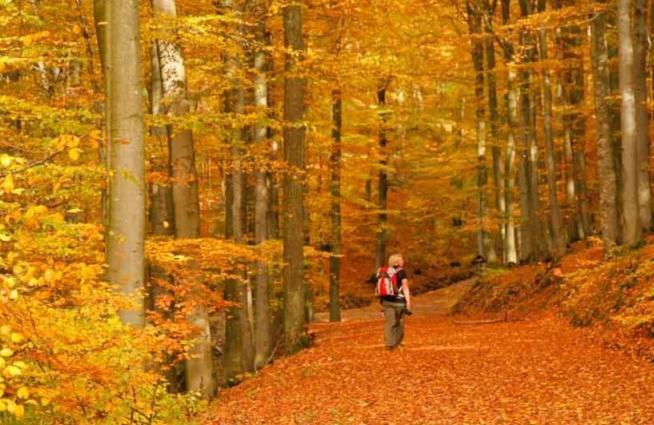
<point x="393" y="323"/>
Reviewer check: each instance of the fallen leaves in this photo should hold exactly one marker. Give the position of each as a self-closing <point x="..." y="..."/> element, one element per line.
<point x="536" y="371"/>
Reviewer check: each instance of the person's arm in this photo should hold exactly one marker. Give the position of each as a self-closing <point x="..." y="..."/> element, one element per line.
<point x="406" y="292"/>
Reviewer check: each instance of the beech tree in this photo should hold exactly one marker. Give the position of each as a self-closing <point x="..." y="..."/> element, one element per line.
<point x="294" y="155"/>
<point x="126" y="234"/>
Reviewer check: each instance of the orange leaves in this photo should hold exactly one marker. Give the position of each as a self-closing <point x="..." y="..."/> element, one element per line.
<point x="536" y="371"/>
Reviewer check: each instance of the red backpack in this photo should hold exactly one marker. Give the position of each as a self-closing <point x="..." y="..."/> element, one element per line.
<point x="387" y="285"/>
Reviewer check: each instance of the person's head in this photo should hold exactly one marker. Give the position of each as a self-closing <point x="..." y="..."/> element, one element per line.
<point x="396" y="260"/>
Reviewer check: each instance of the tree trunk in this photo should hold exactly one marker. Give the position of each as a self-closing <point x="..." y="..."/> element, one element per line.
<point x="574" y="128"/>
<point x="199" y="368"/>
<point x="510" y="251"/>
<point x="558" y="245"/>
<point x="125" y="245"/>
<point x="162" y="214"/>
<point x="294" y="155"/>
<point x="382" y="182"/>
<point x="489" y="48"/>
<point x="641" y="42"/>
<point x="606" y="170"/>
<point x="239" y="347"/>
<point x="101" y="18"/>
<point x="335" y="161"/>
<point x="474" y="25"/>
<point x="632" y="229"/>
<point x="262" y="308"/>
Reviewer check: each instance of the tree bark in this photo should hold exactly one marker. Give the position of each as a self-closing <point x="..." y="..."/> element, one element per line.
<point x="294" y="155"/>
<point x="641" y="42"/>
<point x="606" y="170"/>
<point x="239" y="345"/>
<point x="382" y="181"/>
<point x="477" y="52"/>
<point x="101" y="17"/>
<point x="510" y="250"/>
<point x="335" y="161"/>
<point x="262" y="308"/>
<point x="557" y="243"/>
<point x="632" y="228"/>
<point x="489" y="48"/>
<point x="199" y="368"/>
<point x="125" y="244"/>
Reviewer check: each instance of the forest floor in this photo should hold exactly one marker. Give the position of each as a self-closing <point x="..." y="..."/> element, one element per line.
<point x="450" y="370"/>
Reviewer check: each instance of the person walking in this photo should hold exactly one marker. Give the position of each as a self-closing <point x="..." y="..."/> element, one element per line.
<point x="395" y="298"/>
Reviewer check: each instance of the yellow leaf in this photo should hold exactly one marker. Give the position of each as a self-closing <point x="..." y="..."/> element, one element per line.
<point x="23" y="393"/>
<point x="74" y="154"/>
<point x="20" y="411"/>
<point x="3" y="363"/>
<point x="45" y="401"/>
<point x="16" y="338"/>
<point x="5" y="329"/>
<point x="8" y="184"/>
<point x="13" y="295"/>
<point x="6" y="352"/>
<point x="3" y="405"/>
<point x="12" y="371"/>
<point x="49" y="275"/>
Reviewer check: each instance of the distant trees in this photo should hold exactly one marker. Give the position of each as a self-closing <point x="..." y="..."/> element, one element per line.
<point x="560" y="128"/>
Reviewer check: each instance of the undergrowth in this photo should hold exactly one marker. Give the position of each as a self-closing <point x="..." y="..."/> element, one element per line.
<point x="585" y="287"/>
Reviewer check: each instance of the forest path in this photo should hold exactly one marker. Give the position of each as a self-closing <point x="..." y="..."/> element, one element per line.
<point x="536" y="371"/>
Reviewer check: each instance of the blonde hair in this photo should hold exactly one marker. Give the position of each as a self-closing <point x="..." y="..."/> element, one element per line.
<point x="394" y="260"/>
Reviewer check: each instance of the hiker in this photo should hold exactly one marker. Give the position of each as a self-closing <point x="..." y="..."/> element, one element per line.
<point x="395" y="297"/>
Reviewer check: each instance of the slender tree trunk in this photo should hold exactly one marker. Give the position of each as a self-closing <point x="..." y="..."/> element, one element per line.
<point x="162" y="214"/>
<point x="474" y="24"/>
<point x="262" y="308"/>
<point x="382" y="181"/>
<point x="632" y="229"/>
<point x="489" y="48"/>
<point x="101" y="10"/>
<point x="199" y="368"/>
<point x="335" y="161"/>
<point x="641" y="42"/>
<point x="125" y="245"/>
<point x="558" y="246"/>
<point x="294" y="155"/>
<point x="606" y="170"/>
<point x="510" y="250"/>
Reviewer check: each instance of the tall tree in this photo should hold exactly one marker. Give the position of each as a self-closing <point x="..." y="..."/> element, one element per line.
<point x="239" y="348"/>
<point x="335" y="214"/>
<point x="186" y="206"/>
<point x="606" y="162"/>
<point x="510" y="251"/>
<point x="557" y="243"/>
<point x="632" y="229"/>
<point x="494" y="120"/>
<point x="640" y="43"/>
<point x="294" y="155"/>
<point x="382" y="180"/>
<point x="262" y="193"/>
<point x="477" y="52"/>
<point x="125" y="243"/>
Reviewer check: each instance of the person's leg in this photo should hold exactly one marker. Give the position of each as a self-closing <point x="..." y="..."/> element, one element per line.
<point x="389" y="324"/>
<point x="400" y="327"/>
<point x="398" y="319"/>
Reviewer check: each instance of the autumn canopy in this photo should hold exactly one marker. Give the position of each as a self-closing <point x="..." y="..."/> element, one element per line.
<point x="186" y="185"/>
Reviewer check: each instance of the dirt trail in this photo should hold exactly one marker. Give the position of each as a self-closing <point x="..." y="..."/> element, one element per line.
<point x="537" y="371"/>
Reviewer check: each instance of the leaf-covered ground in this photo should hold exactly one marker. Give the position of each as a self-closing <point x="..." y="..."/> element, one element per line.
<point x="538" y="371"/>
